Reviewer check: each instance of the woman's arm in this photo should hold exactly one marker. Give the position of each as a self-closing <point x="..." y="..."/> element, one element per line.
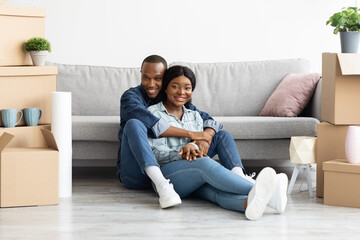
<point x="178" y="132"/>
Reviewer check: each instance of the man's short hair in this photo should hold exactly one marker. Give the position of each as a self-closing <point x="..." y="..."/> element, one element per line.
<point x="154" y="59"/>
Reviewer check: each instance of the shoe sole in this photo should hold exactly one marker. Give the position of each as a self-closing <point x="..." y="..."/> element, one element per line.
<point x="171" y="203"/>
<point x="282" y="201"/>
<point x="264" y="190"/>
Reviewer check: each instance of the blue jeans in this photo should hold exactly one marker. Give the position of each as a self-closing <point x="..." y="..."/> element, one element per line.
<point x="136" y="154"/>
<point x="208" y="180"/>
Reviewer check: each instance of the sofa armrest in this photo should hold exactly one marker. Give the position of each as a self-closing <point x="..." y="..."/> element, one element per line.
<point x="313" y="109"/>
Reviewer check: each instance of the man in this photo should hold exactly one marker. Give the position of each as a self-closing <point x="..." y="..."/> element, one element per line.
<point x="136" y="165"/>
<point x="136" y="162"/>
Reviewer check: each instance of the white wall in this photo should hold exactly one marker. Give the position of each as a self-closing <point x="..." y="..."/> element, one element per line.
<point x="123" y="32"/>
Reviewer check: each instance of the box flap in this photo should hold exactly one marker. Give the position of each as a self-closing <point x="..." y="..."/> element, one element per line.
<point x="49" y="139"/>
<point x="349" y="63"/>
<point x="4" y="140"/>
<point x="341" y="165"/>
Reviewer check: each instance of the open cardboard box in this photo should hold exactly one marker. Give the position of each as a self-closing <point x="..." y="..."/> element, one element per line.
<point x="342" y="183"/>
<point x="29" y="175"/>
<point x="340" y="88"/>
<point x="28" y="87"/>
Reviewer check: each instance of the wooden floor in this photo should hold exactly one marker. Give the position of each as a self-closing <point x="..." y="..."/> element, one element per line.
<point x="102" y="208"/>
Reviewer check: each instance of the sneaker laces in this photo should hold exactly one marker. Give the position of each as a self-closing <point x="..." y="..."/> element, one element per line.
<point x="250" y="177"/>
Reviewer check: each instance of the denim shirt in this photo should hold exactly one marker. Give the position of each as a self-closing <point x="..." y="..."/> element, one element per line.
<point x="134" y="103"/>
<point x="166" y="149"/>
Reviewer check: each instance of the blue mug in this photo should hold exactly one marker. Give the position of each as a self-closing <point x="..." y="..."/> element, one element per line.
<point x="32" y="116"/>
<point x="9" y="117"/>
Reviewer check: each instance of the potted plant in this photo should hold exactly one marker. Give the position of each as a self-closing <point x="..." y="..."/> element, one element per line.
<point x="347" y="22"/>
<point x="38" y="48"/>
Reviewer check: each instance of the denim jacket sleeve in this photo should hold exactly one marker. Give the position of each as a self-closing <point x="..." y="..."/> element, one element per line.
<point x="209" y="122"/>
<point x="132" y="106"/>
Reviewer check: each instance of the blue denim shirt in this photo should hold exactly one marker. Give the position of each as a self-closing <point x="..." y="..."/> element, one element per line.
<point x="134" y="103"/>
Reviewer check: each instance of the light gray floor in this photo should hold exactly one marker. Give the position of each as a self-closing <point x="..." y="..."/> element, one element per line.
<point x="101" y="208"/>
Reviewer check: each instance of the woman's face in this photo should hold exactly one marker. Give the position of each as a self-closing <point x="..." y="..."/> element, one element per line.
<point x="179" y="91"/>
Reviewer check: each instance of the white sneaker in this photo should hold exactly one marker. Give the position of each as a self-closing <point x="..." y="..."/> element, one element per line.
<point x="249" y="178"/>
<point x="167" y="195"/>
<point x="261" y="193"/>
<point x="279" y="200"/>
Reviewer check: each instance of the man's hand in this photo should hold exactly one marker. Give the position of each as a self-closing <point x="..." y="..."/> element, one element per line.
<point x="205" y="136"/>
<point x="189" y="152"/>
<point x="203" y="147"/>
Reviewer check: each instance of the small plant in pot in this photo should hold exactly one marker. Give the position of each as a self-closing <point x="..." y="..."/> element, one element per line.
<point x="347" y="22"/>
<point x="39" y="49"/>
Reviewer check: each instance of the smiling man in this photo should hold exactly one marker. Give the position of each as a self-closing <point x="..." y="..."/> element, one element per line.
<point x="136" y="163"/>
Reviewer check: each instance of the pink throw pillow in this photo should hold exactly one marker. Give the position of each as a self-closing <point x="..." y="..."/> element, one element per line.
<point x="291" y="96"/>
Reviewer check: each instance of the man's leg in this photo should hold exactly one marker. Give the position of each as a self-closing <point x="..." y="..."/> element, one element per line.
<point x="224" y="145"/>
<point x="135" y="156"/>
<point x="138" y="164"/>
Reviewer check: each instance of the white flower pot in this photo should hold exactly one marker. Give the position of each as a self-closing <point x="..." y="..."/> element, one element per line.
<point x="38" y="57"/>
<point x="352" y="145"/>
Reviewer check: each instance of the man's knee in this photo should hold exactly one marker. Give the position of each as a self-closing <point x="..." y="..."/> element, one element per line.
<point x="223" y="134"/>
<point x="134" y="125"/>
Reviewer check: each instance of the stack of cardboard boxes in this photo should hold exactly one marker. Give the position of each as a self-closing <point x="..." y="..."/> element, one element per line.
<point x="28" y="155"/>
<point x="338" y="181"/>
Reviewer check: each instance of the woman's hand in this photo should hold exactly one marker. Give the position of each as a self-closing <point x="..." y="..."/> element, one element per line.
<point x="189" y="152"/>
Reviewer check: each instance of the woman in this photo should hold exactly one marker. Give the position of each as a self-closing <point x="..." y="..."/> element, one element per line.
<point x="203" y="177"/>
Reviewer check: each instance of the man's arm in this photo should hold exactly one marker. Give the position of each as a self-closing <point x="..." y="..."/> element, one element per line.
<point x="132" y="106"/>
<point x="209" y="122"/>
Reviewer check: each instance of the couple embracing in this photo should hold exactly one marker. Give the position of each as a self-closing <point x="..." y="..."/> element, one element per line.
<point x="167" y="143"/>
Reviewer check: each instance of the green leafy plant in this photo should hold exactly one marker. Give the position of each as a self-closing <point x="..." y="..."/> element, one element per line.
<point x="37" y="44"/>
<point x="346" y="20"/>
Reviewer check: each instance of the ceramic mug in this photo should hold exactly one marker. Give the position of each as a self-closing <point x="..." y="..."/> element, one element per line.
<point x="32" y="116"/>
<point x="9" y="117"/>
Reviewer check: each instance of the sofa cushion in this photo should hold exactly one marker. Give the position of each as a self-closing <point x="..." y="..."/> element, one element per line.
<point x="291" y="96"/>
<point x="239" y="88"/>
<point x="95" y="128"/>
<point x="96" y="90"/>
<point x="269" y="127"/>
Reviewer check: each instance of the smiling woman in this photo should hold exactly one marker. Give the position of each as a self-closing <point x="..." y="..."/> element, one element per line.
<point x="191" y="173"/>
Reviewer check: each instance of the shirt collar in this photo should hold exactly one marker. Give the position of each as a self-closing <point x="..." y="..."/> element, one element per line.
<point x="162" y="108"/>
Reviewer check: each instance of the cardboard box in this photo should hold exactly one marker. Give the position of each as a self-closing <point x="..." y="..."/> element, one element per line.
<point x="330" y="145"/>
<point x="27" y="87"/>
<point x="19" y="24"/>
<point x="26" y="136"/>
<point x="340" y="88"/>
<point x="29" y="175"/>
<point x="342" y="183"/>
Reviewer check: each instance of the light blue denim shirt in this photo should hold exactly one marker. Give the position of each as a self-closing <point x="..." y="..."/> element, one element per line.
<point x="166" y="149"/>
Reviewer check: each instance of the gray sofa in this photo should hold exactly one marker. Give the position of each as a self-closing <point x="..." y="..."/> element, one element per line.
<point x="233" y="93"/>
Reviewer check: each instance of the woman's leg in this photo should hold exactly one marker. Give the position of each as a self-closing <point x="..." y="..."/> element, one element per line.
<point x="189" y="176"/>
<point x="230" y="201"/>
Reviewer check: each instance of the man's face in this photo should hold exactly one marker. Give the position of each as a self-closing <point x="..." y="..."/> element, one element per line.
<point x="151" y="78"/>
